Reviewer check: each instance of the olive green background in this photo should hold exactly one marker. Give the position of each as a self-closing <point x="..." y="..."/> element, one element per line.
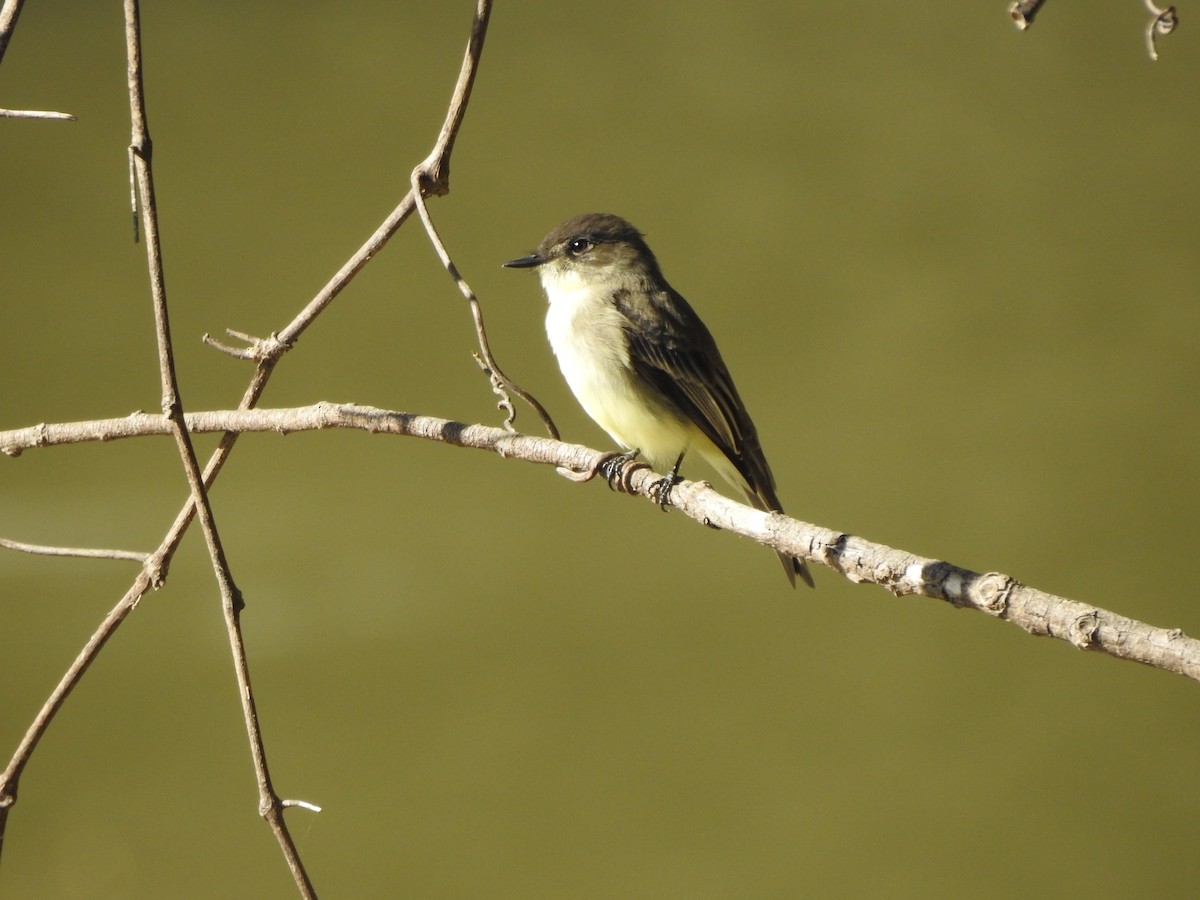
<point x="954" y="270"/>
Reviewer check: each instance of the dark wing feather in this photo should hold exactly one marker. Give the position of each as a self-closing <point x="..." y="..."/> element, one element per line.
<point x="672" y="350"/>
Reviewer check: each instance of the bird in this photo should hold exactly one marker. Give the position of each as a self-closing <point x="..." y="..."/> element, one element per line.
<point x="642" y="363"/>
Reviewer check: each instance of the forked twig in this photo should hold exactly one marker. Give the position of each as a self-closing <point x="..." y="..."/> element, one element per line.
<point x="231" y="598"/>
<point x="432" y="178"/>
<point x="266" y="354"/>
<point x="501" y="383"/>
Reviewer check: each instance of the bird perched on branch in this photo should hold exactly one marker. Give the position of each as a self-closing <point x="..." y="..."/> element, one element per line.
<point x="640" y="361"/>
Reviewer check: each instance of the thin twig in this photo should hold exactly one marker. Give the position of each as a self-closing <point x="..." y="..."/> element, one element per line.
<point x="436" y="166"/>
<point x="232" y="602"/>
<point x="859" y="560"/>
<point x="257" y="348"/>
<point x="9" y="13"/>
<point x="80" y="552"/>
<point x="1162" y="22"/>
<point x="432" y="178"/>
<point x="34" y="114"/>
<point x="133" y="196"/>
<point x="501" y="383"/>
<point x="300" y="804"/>
<point x="11" y="777"/>
<point x="156" y="567"/>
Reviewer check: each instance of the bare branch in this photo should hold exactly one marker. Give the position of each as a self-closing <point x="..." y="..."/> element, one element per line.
<point x="432" y="178"/>
<point x="1083" y="626"/>
<point x="258" y="349"/>
<point x="436" y="166"/>
<point x="80" y="552"/>
<point x="301" y="804"/>
<point x="9" y="13"/>
<point x="11" y="777"/>
<point x="501" y="383"/>
<point x="34" y="114"/>
<point x="232" y="603"/>
<point x="1162" y="22"/>
<point x="266" y="353"/>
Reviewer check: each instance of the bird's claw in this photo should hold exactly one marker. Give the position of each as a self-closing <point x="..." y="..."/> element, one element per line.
<point x="662" y="487"/>
<point x="617" y="473"/>
<point x="661" y="490"/>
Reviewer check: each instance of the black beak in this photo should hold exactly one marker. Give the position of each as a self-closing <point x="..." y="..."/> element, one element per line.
<point x="525" y="262"/>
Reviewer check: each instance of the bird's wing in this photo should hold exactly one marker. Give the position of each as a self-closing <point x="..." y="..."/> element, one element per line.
<point x="670" y="347"/>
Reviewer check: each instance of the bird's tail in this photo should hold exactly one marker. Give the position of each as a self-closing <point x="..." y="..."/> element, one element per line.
<point x="792" y="566"/>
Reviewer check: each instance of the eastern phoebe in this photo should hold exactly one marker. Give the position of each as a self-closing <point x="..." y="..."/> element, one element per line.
<point x="640" y="361"/>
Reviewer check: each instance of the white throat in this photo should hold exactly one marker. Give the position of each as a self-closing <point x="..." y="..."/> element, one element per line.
<point x="587" y="333"/>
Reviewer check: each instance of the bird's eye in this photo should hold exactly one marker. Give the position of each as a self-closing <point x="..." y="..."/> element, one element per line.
<point x="579" y="246"/>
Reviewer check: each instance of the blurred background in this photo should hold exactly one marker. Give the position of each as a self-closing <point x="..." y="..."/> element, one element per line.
<point x="953" y="269"/>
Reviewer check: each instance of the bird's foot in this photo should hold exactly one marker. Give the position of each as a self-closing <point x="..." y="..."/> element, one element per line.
<point x="662" y="487"/>
<point x="613" y="468"/>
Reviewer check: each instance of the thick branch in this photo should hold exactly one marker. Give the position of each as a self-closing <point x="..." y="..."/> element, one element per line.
<point x="1000" y="596"/>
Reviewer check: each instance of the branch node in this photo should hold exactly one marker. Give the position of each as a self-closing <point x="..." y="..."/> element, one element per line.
<point x="432" y="176"/>
<point x="1083" y="630"/>
<point x="155" y="568"/>
<point x="993" y="591"/>
<point x="259" y="349"/>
